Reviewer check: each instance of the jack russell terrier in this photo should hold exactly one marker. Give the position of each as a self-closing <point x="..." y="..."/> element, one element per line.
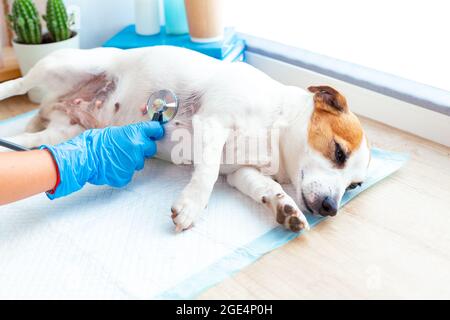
<point x="318" y="145"/>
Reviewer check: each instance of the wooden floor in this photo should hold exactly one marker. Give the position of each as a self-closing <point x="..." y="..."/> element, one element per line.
<point x="393" y="241"/>
<point x="14" y="106"/>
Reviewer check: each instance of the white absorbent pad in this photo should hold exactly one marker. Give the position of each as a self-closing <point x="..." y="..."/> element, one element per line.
<point x="103" y="243"/>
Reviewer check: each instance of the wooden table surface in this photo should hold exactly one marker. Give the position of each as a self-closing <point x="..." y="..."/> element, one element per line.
<point x="9" y="69"/>
<point x="392" y="241"/>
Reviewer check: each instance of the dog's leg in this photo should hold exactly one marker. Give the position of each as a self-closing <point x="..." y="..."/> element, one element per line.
<point x="195" y="196"/>
<point x="36" y="124"/>
<point x="39" y="75"/>
<point x="57" y="132"/>
<point x="13" y="88"/>
<point x="53" y="74"/>
<point x="265" y="190"/>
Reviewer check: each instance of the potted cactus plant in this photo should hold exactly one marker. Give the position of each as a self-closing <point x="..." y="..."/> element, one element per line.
<point x="31" y="43"/>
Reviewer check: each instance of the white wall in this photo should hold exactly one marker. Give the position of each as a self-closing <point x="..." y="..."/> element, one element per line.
<point x="101" y="19"/>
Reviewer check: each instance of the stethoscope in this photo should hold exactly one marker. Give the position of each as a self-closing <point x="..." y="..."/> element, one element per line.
<point x="162" y="106"/>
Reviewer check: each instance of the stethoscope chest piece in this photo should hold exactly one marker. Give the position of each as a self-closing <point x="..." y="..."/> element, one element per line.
<point x="162" y="106"/>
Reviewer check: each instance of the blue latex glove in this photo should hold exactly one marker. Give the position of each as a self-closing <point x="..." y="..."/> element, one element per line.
<point x="104" y="156"/>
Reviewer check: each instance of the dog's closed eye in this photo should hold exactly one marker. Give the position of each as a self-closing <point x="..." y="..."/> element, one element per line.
<point x="339" y="155"/>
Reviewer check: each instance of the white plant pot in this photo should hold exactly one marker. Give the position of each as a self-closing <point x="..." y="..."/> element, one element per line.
<point x="30" y="54"/>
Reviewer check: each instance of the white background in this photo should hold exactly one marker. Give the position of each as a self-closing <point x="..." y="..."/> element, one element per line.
<point x="410" y="39"/>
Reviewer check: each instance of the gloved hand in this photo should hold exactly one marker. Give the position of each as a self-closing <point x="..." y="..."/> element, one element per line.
<point x="104" y="156"/>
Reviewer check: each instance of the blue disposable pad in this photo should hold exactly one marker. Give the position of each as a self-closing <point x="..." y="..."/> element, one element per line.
<point x="120" y="244"/>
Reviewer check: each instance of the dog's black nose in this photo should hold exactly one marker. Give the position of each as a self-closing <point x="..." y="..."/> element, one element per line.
<point x="329" y="207"/>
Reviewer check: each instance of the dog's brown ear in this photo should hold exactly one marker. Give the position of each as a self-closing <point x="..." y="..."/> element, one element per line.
<point x="328" y="99"/>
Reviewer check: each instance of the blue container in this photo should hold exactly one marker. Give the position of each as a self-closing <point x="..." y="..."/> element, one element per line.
<point x="175" y="14"/>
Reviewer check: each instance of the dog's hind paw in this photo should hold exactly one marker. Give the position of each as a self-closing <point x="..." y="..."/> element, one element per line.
<point x="184" y="213"/>
<point x="287" y="213"/>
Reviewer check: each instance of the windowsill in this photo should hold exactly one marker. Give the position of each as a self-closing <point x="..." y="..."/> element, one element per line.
<point x="412" y="92"/>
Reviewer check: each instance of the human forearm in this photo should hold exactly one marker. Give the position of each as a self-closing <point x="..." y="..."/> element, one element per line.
<point x="24" y="174"/>
<point x="107" y="156"/>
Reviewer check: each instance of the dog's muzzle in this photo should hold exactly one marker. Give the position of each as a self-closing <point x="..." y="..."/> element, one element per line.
<point x="324" y="206"/>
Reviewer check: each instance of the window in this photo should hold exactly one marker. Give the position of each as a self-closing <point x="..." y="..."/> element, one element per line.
<point x="409" y="39"/>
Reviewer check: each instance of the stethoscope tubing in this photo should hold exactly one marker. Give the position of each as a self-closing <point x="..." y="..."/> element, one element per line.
<point x="12" y="146"/>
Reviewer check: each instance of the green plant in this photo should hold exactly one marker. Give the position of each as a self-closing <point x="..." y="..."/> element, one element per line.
<point x="24" y="20"/>
<point x="58" y="23"/>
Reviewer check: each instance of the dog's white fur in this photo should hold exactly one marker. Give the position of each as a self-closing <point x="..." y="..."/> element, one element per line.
<point x="232" y="97"/>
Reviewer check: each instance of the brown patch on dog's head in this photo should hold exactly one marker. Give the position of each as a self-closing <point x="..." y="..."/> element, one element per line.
<point x="334" y="131"/>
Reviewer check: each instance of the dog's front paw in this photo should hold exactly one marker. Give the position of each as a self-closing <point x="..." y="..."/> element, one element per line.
<point x="287" y="212"/>
<point x="184" y="213"/>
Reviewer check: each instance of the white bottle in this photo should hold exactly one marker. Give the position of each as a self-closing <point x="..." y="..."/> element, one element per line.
<point x="147" y="17"/>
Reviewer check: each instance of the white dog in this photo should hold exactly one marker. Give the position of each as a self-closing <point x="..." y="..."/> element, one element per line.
<point x="317" y="143"/>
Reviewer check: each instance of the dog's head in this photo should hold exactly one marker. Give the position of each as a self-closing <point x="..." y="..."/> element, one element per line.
<point x="336" y="156"/>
